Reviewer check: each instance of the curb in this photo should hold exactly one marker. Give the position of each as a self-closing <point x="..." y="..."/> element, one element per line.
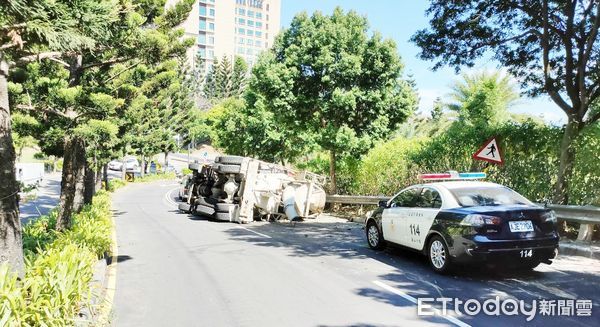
<point x="582" y="250"/>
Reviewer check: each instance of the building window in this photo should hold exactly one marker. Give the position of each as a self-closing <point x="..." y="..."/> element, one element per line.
<point x="241" y="31"/>
<point x="258" y="25"/>
<point x="250" y="23"/>
<point x="267" y="7"/>
<point x="240" y="50"/>
<point x="211" y="40"/>
<point x="249" y="42"/>
<point x="241" y="40"/>
<point x="249" y="32"/>
<point x="211" y="26"/>
<point x="211" y="54"/>
<point x="258" y="15"/>
<point x="211" y="12"/>
<point x="250" y="13"/>
<point x="202" y="25"/>
<point x="202" y="52"/>
<point x="258" y="34"/>
<point x="241" y="12"/>
<point x="202" y="10"/>
<point x="202" y="38"/>
<point x="249" y="51"/>
<point x="241" y="21"/>
<point x="258" y="43"/>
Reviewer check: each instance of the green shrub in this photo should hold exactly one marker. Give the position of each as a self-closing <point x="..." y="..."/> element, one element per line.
<point x="186" y="171"/>
<point x="116" y="184"/>
<point x="59" y="268"/>
<point x="155" y="177"/>
<point x="387" y="168"/>
<point x="346" y="170"/>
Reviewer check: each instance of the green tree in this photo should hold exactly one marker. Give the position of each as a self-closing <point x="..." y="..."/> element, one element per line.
<point x="551" y="46"/>
<point x="483" y="99"/>
<point x="330" y="77"/>
<point x="224" y="80"/>
<point x="29" y="31"/>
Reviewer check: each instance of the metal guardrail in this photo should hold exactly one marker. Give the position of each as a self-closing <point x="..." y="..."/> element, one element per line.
<point x="570" y="213"/>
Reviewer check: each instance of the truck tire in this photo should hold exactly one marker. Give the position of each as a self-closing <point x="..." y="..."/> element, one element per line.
<point x="229" y="160"/>
<point x="225" y="207"/>
<point x="195" y="166"/>
<point x="227" y="169"/>
<point x="184" y="207"/>
<point x="224" y="216"/>
<point x="205" y="201"/>
<point x="204" y="210"/>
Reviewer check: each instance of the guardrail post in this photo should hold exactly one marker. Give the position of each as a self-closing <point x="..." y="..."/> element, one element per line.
<point x="585" y="232"/>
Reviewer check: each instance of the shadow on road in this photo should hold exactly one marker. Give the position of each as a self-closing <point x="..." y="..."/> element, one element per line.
<point x="411" y="274"/>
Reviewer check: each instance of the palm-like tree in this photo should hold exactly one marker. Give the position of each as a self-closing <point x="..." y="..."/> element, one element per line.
<point x="483" y="97"/>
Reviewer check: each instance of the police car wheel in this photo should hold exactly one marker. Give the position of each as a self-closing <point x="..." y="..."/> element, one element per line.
<point x="438" y="255"/>
<point x="374" y="237"/>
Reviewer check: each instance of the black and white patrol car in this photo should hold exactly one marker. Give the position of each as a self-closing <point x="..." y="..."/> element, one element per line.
<point x="464" y="221"/>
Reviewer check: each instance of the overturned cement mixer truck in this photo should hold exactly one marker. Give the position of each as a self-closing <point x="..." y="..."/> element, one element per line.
<point x="242" y="189"/>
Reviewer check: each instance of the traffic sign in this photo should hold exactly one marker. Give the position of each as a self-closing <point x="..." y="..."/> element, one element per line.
<point x="490" y="152"/>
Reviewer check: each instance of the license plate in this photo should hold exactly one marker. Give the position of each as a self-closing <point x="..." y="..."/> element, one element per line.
<point x="520" y="226"/>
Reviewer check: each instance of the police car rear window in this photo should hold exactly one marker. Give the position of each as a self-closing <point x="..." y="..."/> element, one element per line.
<point x="488" y="196"/>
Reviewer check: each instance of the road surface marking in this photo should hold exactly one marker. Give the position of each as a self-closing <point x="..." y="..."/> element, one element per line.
<point x="414" y="301"/>
<point x="257" y="233"/>
<point x="169" y="198"/>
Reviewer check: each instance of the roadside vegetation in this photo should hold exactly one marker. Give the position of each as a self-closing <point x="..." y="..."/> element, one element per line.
<point x="58" y="267"/>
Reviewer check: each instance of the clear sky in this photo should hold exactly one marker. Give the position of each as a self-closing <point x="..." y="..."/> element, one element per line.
<point x="399" y="20"/>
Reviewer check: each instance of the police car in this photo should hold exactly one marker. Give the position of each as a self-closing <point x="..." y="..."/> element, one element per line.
<point x="455" y="218"/>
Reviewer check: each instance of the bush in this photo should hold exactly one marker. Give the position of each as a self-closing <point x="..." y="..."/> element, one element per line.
<point x="531" y="154"/>
<point x="186" y="171"/>
<point x="346" y="170"/>
<point x="59" y="268"/>
<point x="387" y="168"/>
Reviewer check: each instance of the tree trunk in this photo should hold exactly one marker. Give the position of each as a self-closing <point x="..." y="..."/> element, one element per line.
<point x="123" y="169"/>
<point x="332" y="176"/>
<point x="89" y="186"/>
<point x="166" y="161"/>
<point x="98" y="180"/>
<point x="143" y="168"/>
<point x="11" y="242"/>
<point x="105" y="176"/>
<point x="567" y="160"/>
<point x="73" y="175"/>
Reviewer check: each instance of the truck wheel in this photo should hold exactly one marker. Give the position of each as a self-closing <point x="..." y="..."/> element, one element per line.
<point x="205" y="201"/>
<point x="229" y="160"/>
<point x="227" y="169"/>
<point x="224" y="216"/>
<point x="204" y="210"/>
<point x="194" y="166"/>
<point x="184" y="207"/>
<point x="225" y="207"/>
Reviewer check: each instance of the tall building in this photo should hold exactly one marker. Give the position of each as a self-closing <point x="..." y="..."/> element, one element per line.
<point x="234" y="27"/>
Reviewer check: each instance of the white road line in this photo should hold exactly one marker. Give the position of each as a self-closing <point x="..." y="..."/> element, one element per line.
<point x="414" y="301"/>
<point x="169" y="198"/>
<point x="257" y="233"/>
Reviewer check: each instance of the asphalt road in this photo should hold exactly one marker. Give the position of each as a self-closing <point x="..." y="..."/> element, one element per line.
<point x="179" y="270"/>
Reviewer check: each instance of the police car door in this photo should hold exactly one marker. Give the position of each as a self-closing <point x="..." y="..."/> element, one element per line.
<point x="392" y="219"/>
<point x="420" y="218"/>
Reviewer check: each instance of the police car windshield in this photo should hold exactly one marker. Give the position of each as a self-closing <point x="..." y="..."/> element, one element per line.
<point x="488" y="196"/>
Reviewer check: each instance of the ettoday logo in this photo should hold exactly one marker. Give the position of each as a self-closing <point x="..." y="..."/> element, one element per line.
<point x="507" y="307"/>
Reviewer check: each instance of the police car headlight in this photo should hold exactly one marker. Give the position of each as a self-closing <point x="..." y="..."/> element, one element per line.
<point x="473" y="220"/>
<point x="549" y="217"/>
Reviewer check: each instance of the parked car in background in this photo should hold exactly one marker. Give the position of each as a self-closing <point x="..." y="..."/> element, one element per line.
<point x="131" y="164"/>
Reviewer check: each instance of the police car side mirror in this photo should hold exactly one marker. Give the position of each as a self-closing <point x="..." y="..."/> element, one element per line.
<point x="383" y="204"/>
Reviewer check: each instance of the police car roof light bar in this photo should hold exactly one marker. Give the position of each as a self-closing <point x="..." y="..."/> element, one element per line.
<point x="452" y="175"/>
